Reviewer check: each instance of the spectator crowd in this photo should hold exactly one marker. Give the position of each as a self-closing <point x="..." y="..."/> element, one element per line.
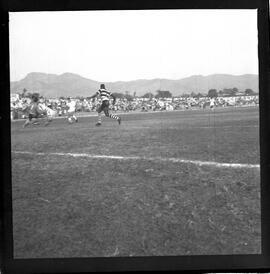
<point x="20" y="105"/>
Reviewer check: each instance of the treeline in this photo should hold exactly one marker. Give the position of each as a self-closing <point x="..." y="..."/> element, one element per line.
<point x="211" y="93"/>
<point x="168" y="94"/>
<point x="26" y="94"/>
<point x="159" y="94"/>
<point x="229" y="92"/>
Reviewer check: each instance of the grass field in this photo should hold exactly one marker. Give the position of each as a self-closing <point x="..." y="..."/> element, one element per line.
<point x="172" y="187"/>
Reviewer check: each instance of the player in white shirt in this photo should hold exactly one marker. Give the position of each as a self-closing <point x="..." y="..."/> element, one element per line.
<point x="48" y="112"/>
<point x="71" y="111"/>
<point x="212" y="103"/>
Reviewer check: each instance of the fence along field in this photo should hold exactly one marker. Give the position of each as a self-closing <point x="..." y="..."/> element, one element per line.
<point x="165" y="183"/>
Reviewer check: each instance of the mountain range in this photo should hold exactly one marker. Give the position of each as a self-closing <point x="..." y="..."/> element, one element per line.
<point x="70" y="84"/>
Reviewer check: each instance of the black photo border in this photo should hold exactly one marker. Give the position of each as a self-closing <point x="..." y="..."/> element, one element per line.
<point x="210" y="263"/>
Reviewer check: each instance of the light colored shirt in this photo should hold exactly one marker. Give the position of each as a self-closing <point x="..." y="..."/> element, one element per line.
<point x="71" y="106"/>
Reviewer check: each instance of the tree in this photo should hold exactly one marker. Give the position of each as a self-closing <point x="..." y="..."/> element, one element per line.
<point x="128" y="97"/>
<point x="197" y="95"/>
<point x="163" y="94"/>
<point x="200" y="95"/>
<point x="119" y="95"/>
<point x="212" y="93"/>
<point x="226" y="92"/>
<point x="148" y="95"/>
<point x="185" y="95"/>
<point x="249" y="91"/>
<point x="193" y="94"/>
<point x="234" y="91"/>
<point x="229" y="91"/>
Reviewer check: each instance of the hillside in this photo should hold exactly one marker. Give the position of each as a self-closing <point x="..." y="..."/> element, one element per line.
<point x="69" y="84"/>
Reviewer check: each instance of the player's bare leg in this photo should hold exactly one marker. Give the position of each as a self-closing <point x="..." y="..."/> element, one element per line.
<point x="69" y="118"/>
<point x="75" y="118"/>
<point x="27" y="122"/>
<point x="99" y="119"/>
<point x="30" y="120"/>
<point x="48" y="121"/>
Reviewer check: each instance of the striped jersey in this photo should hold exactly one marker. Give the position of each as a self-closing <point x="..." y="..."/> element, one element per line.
<point x="35" y="108"/>
<point x="104" y="94"/>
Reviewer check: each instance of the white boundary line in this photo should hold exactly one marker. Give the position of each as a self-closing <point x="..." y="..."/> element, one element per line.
<point x="217" y="127"/>
<point x="154" y="159"/>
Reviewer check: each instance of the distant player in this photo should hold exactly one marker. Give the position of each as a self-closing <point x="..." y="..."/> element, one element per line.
<point x="212" y="103"/>
<point x="105" y="95"/>
<point x="71" y="111"/>
<point x="35" y="111"/>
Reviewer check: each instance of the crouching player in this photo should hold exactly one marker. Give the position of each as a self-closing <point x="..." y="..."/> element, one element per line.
<point x="48" y="113"/>
<point x="71" y="111"/>
<point x="35" y="112"/>
<point x="105" y="96"/>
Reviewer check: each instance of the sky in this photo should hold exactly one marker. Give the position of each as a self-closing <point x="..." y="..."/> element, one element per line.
<point x="128" y="45"/>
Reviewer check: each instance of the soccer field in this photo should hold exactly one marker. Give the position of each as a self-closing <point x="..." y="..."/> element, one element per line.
<point x="164" y="183"/>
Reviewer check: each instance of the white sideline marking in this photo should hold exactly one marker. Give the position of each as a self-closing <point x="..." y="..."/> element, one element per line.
<point x="154" y="159"/>
<point x="251" y="126"/>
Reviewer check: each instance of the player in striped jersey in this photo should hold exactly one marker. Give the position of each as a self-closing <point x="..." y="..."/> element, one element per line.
<point x="105" y="95"/>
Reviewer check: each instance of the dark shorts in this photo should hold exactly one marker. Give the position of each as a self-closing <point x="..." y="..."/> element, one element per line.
<point x="104" y="107"/>
<point x="34" y="115"/>
<point x="34" y="112"/>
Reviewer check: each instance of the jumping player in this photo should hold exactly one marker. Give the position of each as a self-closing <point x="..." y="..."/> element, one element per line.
<point x="71" y="110"/>
<point x="105" y="96"/>
<point x="35" y="111"/>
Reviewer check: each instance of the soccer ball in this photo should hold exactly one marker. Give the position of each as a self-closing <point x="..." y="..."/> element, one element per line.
<point x="70" y="120"/>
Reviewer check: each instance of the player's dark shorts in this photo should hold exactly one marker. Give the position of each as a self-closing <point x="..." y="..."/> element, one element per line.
<point x="104" y="107"/>
<point x="35" y="115"/>
<point x="34" y="112"/>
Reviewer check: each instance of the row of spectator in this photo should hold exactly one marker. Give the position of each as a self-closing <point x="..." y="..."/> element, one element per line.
<point x="19" y="106"/>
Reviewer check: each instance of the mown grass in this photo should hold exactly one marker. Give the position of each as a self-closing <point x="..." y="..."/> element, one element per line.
<point x="81" y="207"/>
